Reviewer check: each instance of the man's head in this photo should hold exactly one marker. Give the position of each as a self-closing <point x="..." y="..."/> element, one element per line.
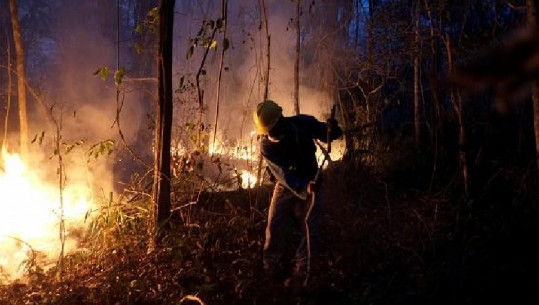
<point x="266" y="116"/>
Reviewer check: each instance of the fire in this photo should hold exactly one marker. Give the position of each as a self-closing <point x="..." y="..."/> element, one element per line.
<point x="238" y="160"/>
<point x="248" y="179"/>
<point x="30" y="217"/>
<point x="239" y="156"/>
<point x="243" y="151"/>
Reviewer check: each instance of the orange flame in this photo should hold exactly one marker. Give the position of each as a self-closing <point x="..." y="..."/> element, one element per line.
<point x="31" y="213"/>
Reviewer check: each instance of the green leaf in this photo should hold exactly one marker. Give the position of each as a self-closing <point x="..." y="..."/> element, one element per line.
<point x="102" y="148"/>
<point x="154" y="12"/>
<point x="118" y="76"/>
<point x="220" y="23"/>
<point x="209" y="44"/>
<point x="102" y="72"/>
<point x="41" y="137"/>
<point x="226" y="44"/>
<point x="138" y="28"/>
<point x="69" y="148"/>
<point x="190" y="52"/>
<point x="182" y="80"/>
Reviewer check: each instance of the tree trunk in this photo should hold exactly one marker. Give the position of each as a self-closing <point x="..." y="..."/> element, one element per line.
<point x="456" y="101"/>
<point x="296" y="64"/>
<point x="8" y="99"/>
<point x="535" y="100"/>
<point x="268" y="48"/>
<point x="266" y="77"/>
<point x="21" y="87"/>
<point x="532" y="23"/>
<point x="370" y="35"/>
<point x="437" y="120"/>
<point x="163" y="129"/>
<point x="224" y="17"/>
<point x="417" y="63"/>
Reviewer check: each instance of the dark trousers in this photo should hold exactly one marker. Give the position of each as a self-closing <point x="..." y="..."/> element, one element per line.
<point x="286" y="217"/>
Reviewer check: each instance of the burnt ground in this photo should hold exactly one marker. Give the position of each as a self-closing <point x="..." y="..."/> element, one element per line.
<point x="386" y="241"/>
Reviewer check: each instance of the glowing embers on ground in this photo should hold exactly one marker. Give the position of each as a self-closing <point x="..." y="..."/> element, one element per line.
<point x="31" y="213"/>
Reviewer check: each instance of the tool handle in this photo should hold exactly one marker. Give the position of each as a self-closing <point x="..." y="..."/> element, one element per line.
<point x="329" y="129"/>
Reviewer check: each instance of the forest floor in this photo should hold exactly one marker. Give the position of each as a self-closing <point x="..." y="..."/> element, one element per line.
<point x="384" y="242"/>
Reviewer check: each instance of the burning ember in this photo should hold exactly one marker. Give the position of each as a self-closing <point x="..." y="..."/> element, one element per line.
<point x="30" y="217"/>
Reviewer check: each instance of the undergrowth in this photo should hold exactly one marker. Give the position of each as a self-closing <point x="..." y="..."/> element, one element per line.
<point x="382" y="245"/>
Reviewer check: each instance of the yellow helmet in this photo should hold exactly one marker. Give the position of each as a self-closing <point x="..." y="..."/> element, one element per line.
<point x="266" y="115"/>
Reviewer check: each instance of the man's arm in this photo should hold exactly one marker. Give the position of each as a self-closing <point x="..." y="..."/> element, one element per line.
<point x="319" y="130"/>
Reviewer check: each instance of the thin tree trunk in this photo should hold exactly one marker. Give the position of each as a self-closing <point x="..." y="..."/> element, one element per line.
<point x="224" y="17"/>
<point x="296" y="64"/>
<point x="268" y="48"/>
<point x="456" y="101"/>
<point x="201" y="92"/>
<point x="533" y="24"/>
<point x="370" y="35"/>
<point x="417" y="101"/>
<point x="357" y="8"/>
<point x="369" y="109"/>
<point x="61" y="187"/>
<point x="266" y="78"/>
<point x="163" y="130"/>
<point x="8" y="98"/>
<point x="437" y="128"/>
<point x="535" y="100"/>
<point x="21" y="88"/>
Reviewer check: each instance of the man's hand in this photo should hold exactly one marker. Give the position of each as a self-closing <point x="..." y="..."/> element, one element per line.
<point x="332" y="124"/>
<point x="312" y="187"/>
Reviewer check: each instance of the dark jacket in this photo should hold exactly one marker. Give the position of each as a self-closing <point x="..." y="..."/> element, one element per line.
<point x="292" y="160"/>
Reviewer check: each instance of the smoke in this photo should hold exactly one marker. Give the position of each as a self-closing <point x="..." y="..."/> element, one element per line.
<point x="85" y="106"/>
<point x="73" y="181"/>
<point x="242" y="85"/>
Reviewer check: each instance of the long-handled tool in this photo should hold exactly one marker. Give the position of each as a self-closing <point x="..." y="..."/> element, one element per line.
<point x="313" y="195"/>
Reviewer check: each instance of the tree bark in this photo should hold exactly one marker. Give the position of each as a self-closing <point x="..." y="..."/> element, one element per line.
<point x="266" y="77"/>
<point x="437" y="120"/>
<point x="532" y="6"/>
<point x="296" y="64"/>
<point x="163" y="129"/>
<point x="21" y="88"/>
<point x="417" y="63"/>
<point x="224" y="17"/>
<point x="456" y="101"/>
<point x="268" y="48"/>
<point x="8" y="98"/>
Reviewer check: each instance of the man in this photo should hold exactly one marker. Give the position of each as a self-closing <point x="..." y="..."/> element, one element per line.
<point x="289" y="150"/>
